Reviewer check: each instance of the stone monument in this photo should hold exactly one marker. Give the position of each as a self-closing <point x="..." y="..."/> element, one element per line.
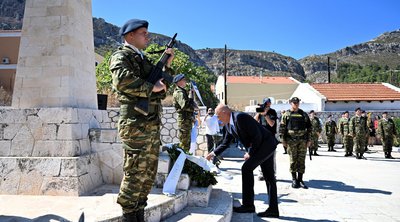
<point x="44" y="138"/>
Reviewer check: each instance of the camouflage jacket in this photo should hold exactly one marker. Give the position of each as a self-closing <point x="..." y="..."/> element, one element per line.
<point x="129" y="73"/>
<point x="358" y="126"/>
<point x="386" y="127"/>
<point x="330" y="128"/>
<point x="315" y="126"/>
<point x="344" y="126"/>
<point x="183" y="104"/>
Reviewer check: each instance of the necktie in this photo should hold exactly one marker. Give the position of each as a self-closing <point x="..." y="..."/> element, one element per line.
<point x="233" y="131"/>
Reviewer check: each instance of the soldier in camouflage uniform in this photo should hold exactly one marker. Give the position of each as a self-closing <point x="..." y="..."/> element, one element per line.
<point x="344" y="129"/>
<point x="185" y="107"/>
<point x="330" y="132"/>
<point x="295" y="130"/>
<point x="387" y="132"/>
<point x="359" y="130"/>
<point x="316" y="130"/>
<point x="139" y="133"/>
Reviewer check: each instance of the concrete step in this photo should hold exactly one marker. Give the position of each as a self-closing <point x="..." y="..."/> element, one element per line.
<point x="240" y="217"/>
<point x="100" y="205"/>
<point x="219" y="209"/>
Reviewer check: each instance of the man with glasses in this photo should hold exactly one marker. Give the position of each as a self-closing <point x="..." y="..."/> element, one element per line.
<point x="295" y="130"/>
<point x="139" y="133"/>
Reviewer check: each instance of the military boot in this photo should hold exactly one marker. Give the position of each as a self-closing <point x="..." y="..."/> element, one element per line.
<point x="315" y="153"/>
<point x="129" y="217"/>
<point x="386" y="155"/>
<point x="140" y="215"/>
<point x="295" y="182"/>
<point x="390" y="155"/>
<point x="301" y="182"/>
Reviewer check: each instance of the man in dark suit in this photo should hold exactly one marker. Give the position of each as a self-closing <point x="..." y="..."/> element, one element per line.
<point x="260" y="145"/>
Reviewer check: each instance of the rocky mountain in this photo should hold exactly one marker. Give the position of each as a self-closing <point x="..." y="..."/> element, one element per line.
<point x="11" y="14"/>
<point x="383" y="50"/>
<point x="249" y="63"/>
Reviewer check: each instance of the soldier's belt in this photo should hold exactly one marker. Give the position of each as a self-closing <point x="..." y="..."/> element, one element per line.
<point x="296" y="132"/>
<point x="302" y="137"/>
<point x="128" y="109"/>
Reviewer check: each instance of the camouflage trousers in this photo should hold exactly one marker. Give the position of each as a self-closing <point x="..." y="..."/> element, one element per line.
<point x="141" y="143"/>
<point x="185" y="130"/>
<point x="314" y="142"/>
<point x="359" y="144"/>
<point x="331" y="140"/>
<point x="387" y="143"/>
<point x="348" y="143"/>
<point x="297" y="150"/>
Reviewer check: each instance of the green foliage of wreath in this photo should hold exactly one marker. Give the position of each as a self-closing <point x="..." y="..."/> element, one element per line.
<point x="201" y="177"/>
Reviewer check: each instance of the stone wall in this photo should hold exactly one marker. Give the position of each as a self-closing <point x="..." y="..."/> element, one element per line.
<point x="67" y="151"/>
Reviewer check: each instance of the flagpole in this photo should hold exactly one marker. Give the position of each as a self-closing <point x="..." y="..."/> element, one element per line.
<point x="226" y="81"/>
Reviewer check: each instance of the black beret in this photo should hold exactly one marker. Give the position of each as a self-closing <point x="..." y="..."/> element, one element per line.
<point x="358" y="108"/>
<point x="346" y="112"/>
<point x="311" y="111"/>
<point x="178" y="78"/>
<point x="132" y="25"/>
<point x="385" y="113"/>
<point x="294" y="99"/>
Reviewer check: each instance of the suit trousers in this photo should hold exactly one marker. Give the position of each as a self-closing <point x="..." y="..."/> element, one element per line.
<point x="264" y="158"/>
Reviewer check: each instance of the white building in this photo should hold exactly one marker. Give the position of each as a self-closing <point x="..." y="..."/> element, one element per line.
<point x="348" y="96"/>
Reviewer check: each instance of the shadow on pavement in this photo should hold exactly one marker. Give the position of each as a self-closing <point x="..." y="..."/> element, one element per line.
<point x="382" y="159"/>
<point x="298" y="219"/>
<point x="340" y="186"/>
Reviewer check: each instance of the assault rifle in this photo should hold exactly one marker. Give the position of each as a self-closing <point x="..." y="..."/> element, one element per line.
<point x="310" y="152"/>
<point x="142" y="105"/>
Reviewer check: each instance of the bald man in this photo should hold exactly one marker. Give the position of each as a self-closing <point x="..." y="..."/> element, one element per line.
<point x="260" y="146"/>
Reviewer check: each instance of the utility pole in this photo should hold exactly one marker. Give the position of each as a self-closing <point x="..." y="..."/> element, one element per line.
<point x="226" y="82"/>
<point x="329" y="71"/>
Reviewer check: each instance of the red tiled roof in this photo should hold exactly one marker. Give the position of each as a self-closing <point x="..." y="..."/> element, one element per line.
<point x="258" y="80"/>
<point x="356" y="92"/>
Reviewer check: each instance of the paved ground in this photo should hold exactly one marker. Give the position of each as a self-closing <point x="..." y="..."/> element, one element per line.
<point x="340" y="188"/>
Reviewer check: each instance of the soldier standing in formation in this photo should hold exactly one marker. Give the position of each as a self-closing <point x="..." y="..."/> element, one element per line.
<point x="330" y="132"/>
<point x="139" y="133"/>
<point x="185" y="107"/>
<point x="295" y="130"/>
<point x="359" y="131"/>
<point x="316" y="130"/>
<point x="347" y="138"/>
<point x="387" y="132"/>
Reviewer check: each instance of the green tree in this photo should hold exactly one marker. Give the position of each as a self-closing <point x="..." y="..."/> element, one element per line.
<point x="181" y="64"/>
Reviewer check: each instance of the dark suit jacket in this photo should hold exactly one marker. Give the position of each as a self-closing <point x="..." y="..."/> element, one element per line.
<point x="252" y="134"/>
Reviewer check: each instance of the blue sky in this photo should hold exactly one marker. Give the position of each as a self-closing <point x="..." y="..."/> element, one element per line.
<point x="295" y="28"/>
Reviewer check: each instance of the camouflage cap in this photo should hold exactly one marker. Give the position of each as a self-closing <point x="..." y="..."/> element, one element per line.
<point x="132" y="25"/>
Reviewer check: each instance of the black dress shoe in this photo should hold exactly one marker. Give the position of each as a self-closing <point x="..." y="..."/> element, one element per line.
<point x="269" y="213"/>
<point x="244" y="209"/>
